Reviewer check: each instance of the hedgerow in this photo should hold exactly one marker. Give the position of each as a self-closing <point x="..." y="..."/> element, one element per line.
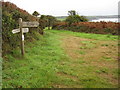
<point x="10" y="16"/>
<point x="89" y="27"/>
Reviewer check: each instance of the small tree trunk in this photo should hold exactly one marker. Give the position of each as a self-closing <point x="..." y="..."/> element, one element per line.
<point x="48" y="27"/>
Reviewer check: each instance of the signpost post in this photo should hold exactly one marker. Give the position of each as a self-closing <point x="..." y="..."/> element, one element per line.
<point x="22" y="29"/>
<point x="22" y="36"/>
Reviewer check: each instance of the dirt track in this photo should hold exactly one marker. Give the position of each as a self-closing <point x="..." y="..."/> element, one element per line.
<point x="94" y="49"/>
<point x="101" y="54"/>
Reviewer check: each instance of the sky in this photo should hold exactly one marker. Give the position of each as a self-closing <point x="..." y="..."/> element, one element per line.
<point x="61" y="7"/>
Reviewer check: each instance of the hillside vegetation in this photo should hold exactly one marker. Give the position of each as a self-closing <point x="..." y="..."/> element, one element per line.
<point x="10" y="16"/>
<point x="89" y="27"/>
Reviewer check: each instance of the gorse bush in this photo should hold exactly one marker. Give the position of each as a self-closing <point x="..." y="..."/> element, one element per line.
<point x="10" y="16"/>
<point x="89" y="27"/>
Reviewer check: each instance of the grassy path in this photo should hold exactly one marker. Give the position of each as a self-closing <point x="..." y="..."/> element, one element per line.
<point x="63" y="59"/>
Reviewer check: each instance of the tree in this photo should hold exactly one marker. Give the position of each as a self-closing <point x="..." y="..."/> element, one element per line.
<point x="74" y="17"/>
<point x="84" y="19"/>
<point x="43" y="21"/>
<point x="50" y="21"/>
<point x="47" y="21"/>
<point x="35" y="13"/>
<point x="72" y="13"/>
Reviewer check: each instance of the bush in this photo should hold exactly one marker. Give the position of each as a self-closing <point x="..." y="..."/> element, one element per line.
<point x="10" y="15"/>
<point x="90" y="27"/>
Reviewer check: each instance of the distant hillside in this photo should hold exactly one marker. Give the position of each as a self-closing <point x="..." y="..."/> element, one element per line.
<point x="97" y="17"/>
<point x="90" y="17"/>
<point x="61" y="18"/>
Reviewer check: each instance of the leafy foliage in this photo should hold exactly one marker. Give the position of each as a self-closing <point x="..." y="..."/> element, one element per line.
<point x="90" y="27"/>
<point x="74" y="18"/>
<point x="72" y="13"/>
<point x="35" y="13"/>
<point x="50" y="21"/>
<point x="47" y="21"/>
<point x="10" y="15"/>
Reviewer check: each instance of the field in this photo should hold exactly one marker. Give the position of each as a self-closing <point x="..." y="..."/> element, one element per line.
<point x="64" y="59"/>
<point x="61" y="18"/>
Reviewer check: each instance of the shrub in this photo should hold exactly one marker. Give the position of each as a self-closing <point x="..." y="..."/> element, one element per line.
<point x="90" y="27"/>
<point x="10" y="15"/>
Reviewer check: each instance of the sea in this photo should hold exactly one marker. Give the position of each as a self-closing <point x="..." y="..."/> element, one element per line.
<point x="106" y="20"/>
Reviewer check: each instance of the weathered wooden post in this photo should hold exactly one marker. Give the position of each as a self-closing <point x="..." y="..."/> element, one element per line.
<point x="22" y="36"/>
<point x="22" y="29"/>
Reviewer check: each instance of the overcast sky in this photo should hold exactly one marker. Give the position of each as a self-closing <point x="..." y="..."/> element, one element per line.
<point x="61" y="7"/>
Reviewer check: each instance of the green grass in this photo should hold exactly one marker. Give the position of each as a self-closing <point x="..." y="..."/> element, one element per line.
<point x="88" y="35"/>
<point x="61" y="19"/>
<point x="81" y="52"/>
<point x="38" y="68"/>
<point x="45" y="58"/>
<point x="0" y="73"/>
<point x="88" y="44"/>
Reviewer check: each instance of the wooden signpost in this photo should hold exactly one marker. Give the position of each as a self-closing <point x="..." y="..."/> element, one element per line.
<point x="23" y="29"/>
